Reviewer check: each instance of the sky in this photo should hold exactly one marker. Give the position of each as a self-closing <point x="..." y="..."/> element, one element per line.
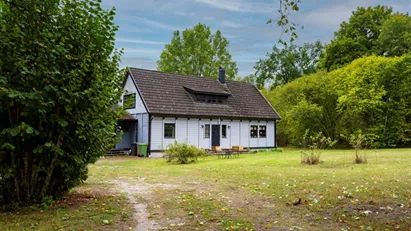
<point x="146" y="26"/>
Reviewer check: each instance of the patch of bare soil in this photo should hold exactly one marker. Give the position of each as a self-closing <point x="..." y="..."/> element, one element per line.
<point x="144" y="190"/>
<point x="78" y="198"/>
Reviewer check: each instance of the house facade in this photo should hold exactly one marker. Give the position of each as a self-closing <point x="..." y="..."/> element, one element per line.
<point x="200" y="111"/>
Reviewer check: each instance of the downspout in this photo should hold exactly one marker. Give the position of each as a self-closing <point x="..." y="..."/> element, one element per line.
<point x="275" y="133"/>
<point x="150" y="118"/>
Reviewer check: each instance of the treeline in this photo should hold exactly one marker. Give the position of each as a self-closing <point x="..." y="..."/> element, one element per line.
<point x="372" y="94"/>
<point x="361" y="82"/>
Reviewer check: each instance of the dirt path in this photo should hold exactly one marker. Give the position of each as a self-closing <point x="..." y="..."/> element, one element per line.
<point x="142" y="189"/>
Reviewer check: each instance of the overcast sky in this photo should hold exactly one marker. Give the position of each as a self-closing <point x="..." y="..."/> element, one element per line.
<point x="147" y="25"/>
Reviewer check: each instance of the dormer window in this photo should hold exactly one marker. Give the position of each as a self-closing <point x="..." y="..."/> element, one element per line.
<point x="129" y="101"/>
<point x="215" y="99"/>
<point x="201" y="98"/>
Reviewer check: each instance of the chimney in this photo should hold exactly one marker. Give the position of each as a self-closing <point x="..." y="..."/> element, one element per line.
<point x="221" y="75"/>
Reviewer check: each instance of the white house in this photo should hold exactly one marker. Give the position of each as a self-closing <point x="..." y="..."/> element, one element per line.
<point x="201" y="111"/>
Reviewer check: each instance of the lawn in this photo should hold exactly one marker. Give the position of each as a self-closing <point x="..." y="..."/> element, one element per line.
<point x="263" y="191"/>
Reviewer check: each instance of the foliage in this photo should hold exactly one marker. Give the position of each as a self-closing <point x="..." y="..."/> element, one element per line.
<point x="59" y="80"/>
<point x="183" y="153"/>
<point x="251" y="78"/>
<point x="313" y="143"/>
<point x="395" y="36"/>
<point x="197" y="52"/>
<point x="371" y="94"/>
<point x="356" y="38"/>
<point x="359" y="141"/>
<point x="283" y="21"/>
<point x="282" y="66"/>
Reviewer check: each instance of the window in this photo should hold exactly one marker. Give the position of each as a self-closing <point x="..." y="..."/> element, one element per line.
<point x="169" y="131"/>
<point x="254" y="131"/>
<point x="263" y="131"/>
<point x="129" y="101"/>
<point x="224" y="131"/>
<point x="207" y="131"/>
<point x="200" y="98"/>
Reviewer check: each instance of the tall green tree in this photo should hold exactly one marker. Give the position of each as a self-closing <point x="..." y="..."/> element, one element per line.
<point x="395" y="36"/>
<point x="282" y="66"/>
<point x="356" y="38"/>
<point x="59" y="80"/>
<point x="198" y="52"/>
<point x="371" y="94"/>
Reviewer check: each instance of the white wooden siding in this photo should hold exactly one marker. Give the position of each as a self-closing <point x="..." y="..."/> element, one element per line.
<point x="130" y="88"/>
<point x="245" y="133"/>
<point x="142" y="131"/>
<point x="270" y="134"/>
<point x="235" y="133"/>
<point x="157" y="133"/>
<point x="181" y="130"/>
<point x="192" y="131"/>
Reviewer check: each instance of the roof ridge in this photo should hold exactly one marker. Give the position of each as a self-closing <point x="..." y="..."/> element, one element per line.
<point x="182" y="75"/>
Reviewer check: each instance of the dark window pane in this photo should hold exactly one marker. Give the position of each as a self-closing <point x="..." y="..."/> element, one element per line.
<point x="263" y="131"/>
<point x="254" y="131"/>
<point x="207" y="131"/>
<point x="169" y="131"/>
<point x="199" y="98"/>
<point x="224" y="131"/>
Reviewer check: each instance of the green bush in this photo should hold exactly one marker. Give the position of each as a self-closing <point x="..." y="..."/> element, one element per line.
<point x="183" y="153"/>
<point x="359" y="142"/>
<point x="313" y="143"/>
<point x="59" y="80"/>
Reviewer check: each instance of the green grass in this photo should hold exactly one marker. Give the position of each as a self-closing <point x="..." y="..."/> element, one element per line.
<point x="258" y="191"/>
<point x="253" y="192"/>
<point x="84" y="209"/>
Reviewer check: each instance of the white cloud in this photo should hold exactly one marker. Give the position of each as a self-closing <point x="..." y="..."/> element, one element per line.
<point x="129" y="50"/>
<point x="141" y="61"/>
<point x="138" y="41"/>
<point x="332" y="15"/>
<point x="240" y="5"/>
<point x="157" y="24"/>
<point x="230" y="24"/>
<point x="184" y="14"/>
<point x="129" y="20"/>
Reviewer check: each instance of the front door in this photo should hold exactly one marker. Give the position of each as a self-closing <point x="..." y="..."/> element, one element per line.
<point x="215" y="135"/>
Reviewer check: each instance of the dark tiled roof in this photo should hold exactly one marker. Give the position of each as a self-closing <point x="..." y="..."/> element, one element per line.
<point x="166" y="94"/>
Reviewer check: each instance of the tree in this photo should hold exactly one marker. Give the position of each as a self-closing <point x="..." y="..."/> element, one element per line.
<point x="59" y="80"/>
<point x="284" y="65"/>
<point x="371" y="94"/>
<point x="357" y="37"/>
<point x="251" y="78"/>
<point x="283" y="21"/>
<point x="395" y="36"/>
<point x="197" y="52"/>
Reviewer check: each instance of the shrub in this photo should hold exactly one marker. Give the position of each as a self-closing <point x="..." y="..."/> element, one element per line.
<point x="59" y="80"/>
<point x="183" y="153"/>
<point x="359" y="142"/>
<point x="313" y="144"/>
